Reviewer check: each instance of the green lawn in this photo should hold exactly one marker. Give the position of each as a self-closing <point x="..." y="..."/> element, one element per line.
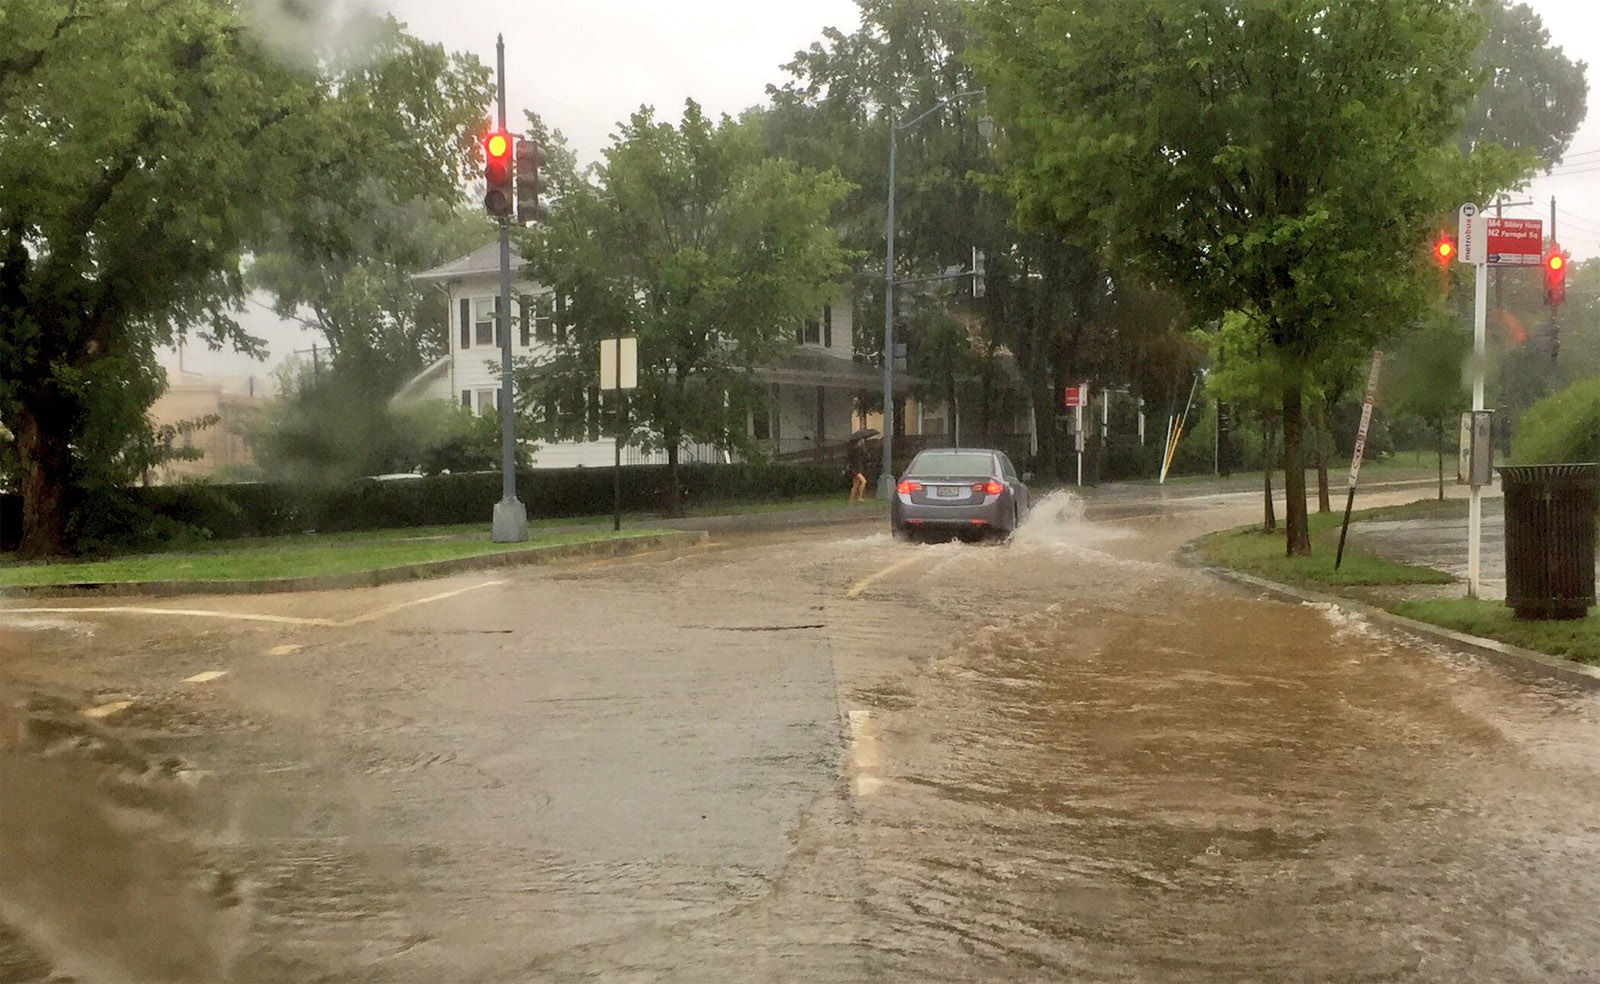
<point x="840" y="501"/>
<point x="1248" y="549"/>
<point x="1577" y="640"/>
<point x="297" y="556"/>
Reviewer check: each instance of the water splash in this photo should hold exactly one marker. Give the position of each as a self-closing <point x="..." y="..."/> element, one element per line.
<point x="1056" y="522"/>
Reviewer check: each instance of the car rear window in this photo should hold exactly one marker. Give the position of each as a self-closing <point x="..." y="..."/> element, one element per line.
<point x="952" y="464"/>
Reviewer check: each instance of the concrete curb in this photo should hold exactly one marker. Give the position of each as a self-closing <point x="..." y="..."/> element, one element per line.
<point x="1524" y="663"/>
<point x="368" y="579"/>
<point x="778" y="520"/>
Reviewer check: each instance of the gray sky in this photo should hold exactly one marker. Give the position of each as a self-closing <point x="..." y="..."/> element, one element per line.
<point x="586" y="66"/>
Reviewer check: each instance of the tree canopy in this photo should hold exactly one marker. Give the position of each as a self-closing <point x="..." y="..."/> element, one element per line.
<point x="1285" y="159"/>
<point x="688" y="237"/>
<point x="145" y="149"/>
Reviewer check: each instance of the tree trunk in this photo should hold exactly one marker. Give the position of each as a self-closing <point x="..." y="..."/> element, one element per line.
<point x="1269" y="515"/>
<point x="46" y="473"/>
<point x="1295" y="518"/>
<point x="1323" y="505"/>
<point x="674" y="486"/>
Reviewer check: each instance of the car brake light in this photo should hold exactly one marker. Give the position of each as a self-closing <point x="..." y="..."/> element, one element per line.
<point x="989" y="488"/>
<point x="906" y="488"/>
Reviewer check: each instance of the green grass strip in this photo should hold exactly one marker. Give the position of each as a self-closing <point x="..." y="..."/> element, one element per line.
<point x="299" y="556"/>
<point x="1578" y="639"/>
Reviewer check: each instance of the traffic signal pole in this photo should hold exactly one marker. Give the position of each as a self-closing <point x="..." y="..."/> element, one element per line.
<point x="510" y="523"/>
<point x="1479" y="359"/>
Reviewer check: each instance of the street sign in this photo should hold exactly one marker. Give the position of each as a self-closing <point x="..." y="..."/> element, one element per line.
<point x="1366" y="420"/>
<point x="615" y="376"/>
<point x="1470" y="234"/>
<point x="1514" y="242"/>
<point x="1075" y="396"/>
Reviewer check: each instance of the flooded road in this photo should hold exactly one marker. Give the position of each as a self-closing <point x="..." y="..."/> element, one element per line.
<point x="823" y="756"/>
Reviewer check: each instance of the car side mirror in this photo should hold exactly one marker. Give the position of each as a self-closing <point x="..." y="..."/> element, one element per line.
<point x="1027" y="477"/>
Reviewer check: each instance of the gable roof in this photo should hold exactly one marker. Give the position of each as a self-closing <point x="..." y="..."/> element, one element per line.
<point x="484" y="259"/>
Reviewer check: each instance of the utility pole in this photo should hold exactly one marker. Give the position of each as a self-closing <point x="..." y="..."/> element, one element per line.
<point x="1555" y="309"/>
<point x="510" y="522"/>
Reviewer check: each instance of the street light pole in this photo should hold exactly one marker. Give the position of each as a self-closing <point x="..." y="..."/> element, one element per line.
<point x="886" y="476"/>
<point x="510" y="520"/>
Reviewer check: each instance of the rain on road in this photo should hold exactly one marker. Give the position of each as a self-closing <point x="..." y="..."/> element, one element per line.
<point x="822" y="756"/>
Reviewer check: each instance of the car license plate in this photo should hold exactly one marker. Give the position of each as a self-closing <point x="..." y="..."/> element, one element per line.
<point x="947" y="492"/>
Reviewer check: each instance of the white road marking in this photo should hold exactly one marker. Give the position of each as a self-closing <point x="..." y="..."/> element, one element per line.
<point x="866" y="754"/>
<point x="870" y="579"/>
<point x="106" y="710"/>
<point x="206" y="677"/>
<point x="168" y="612"/>
<point x="391" y="609"/>
<point x="251" y="616"/>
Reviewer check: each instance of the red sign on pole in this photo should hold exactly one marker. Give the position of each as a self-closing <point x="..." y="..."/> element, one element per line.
<point x="1515" y="242"/>
<point x="1074" y="397"/>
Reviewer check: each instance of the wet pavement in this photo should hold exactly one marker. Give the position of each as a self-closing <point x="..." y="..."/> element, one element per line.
<point x="806" y="756"/>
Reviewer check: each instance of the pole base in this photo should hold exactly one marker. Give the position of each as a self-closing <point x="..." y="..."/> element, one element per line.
<point x="885" y="487"/>
<point x="510" y="522"/>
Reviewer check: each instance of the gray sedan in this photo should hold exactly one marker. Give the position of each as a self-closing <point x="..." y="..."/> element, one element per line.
<point x="966" y="492"/>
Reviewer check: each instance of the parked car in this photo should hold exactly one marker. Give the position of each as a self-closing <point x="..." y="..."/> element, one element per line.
<point x="971" y="493"/>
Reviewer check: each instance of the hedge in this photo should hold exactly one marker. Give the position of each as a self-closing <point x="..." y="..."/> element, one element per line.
<point x="226" y="512"/>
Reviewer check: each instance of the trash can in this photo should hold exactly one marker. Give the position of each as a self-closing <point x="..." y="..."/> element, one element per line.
<point x="1550" y="539"/>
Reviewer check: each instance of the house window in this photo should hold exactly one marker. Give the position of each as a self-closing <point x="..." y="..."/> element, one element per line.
<point x="465" y="323"/>
<point x="466" y="399"/>
<point x="811" y="332"/>
<point x="827" y="326"/>
<point x="544" y="318"/>
<point x="524" y="323"/>
<point x="483" y="308"/>
<point x="488" y="400"/>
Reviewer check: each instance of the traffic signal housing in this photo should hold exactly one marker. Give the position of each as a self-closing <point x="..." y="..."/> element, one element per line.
<point x="1555" y="276"/>
<point x="497" y="167"/>
<point x="529" y="158"/>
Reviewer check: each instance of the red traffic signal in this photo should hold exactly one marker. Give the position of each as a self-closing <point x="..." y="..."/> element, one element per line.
<point x="497" y="176"/>
<point x="1444" y="249"/>
<point x="1555" y="276"/>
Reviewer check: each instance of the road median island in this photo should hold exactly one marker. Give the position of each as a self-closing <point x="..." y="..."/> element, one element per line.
<point x="1385" y="590"/>
<point x="314" y="564"/>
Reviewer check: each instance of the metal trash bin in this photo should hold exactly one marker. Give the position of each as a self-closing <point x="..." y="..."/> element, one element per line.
<point x="1550" y="539"/>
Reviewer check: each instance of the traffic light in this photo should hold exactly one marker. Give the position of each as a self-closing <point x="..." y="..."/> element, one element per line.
<point x="497" y="173"/>
<point x="1555" y="276"/>
<point x="529" y="156"/>
<point x="1444" y="249"/>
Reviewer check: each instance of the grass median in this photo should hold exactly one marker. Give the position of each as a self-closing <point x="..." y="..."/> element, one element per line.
<point x="309" y="555"/>
<point x="1575" y="639"/>
<point x="1253" y="551"/>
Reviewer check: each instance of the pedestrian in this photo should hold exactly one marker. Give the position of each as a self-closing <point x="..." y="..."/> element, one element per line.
<point x="856" y="465"/>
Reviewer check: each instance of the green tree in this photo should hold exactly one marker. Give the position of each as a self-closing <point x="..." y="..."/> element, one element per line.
<point x="145" y="149"/>
<point x="1425" y="376"/>
<point x="1285" y="159"/>
<point x="1534" y="97"/>
<point x="710" y="253"/>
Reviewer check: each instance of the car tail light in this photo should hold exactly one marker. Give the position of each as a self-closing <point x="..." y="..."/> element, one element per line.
<point x="980" y="522"/>
<point x="989" y="488"/>
<point x="906" y="488"/>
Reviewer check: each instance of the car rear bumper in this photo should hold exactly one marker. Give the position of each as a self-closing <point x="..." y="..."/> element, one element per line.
<point x="907" y="515"/>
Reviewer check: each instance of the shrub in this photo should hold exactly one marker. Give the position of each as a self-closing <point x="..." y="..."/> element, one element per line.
<point x="1562" y="427"/>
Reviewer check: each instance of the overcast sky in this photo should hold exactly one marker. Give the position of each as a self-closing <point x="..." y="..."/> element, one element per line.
<point x="585" y="66"/>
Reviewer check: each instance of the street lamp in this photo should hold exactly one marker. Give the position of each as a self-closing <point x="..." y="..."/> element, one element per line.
<point x="986" y="127"/>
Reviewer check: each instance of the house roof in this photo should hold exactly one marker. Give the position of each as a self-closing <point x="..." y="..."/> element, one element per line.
<point x="484" y="259"/>
<point x="817" y="367"/>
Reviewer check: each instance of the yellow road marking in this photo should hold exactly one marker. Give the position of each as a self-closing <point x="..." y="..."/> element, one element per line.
<point x="206" y="677"/>
<point x="870" y="579"/>
<point x="106" y="710"/>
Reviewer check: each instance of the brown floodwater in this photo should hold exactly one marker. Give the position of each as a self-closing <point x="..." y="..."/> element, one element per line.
<point x="815" y="757"/>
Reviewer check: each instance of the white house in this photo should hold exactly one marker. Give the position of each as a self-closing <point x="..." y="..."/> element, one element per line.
<point x="814" y="388"/>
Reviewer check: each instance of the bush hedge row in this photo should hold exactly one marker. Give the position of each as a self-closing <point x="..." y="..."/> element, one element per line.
<point x="226" y="512"/>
